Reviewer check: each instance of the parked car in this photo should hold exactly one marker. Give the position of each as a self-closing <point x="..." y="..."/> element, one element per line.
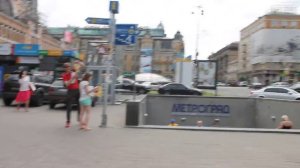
<point x="153" y="85"/>
<point x="281" y="84"/>
<point x="256" y="85"/>
<point x="296" y="87"/>
<point x="221" y="84"/>
<point x="58" y="94"/>
<point x="243" y="83"/>
<point x="178" y="89"/>
<point x="274" y="92"/>
<point x="131" y="85"/>
<point x="39" y="96"/>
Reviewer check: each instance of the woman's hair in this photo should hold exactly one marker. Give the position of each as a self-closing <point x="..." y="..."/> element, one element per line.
<point x="86" y="76"/>
<point x="20" y="74"/>
<point x="285" y="117"/>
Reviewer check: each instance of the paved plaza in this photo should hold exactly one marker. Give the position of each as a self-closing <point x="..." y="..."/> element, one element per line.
<point x="38" y="139"/>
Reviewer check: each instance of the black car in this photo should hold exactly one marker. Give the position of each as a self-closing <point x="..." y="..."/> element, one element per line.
<point x="131" y="85"/>
<point x="57" y="94"/>
<point x="178" y="89"/>
<point x="39" y="96"/>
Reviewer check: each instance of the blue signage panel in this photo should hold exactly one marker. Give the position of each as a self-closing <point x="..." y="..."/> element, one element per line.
<point x="1" y="78"/>
<point x="126" y="34"/>
<point x="26" y="49"/>
<point x="69" y="53"/>
<point x="103" y="21"/>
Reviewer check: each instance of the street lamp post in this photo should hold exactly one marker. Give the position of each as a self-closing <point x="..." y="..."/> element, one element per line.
<point x="199" y="8"/>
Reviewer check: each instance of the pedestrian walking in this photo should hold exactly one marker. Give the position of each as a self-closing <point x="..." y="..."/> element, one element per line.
<point x="85" y="101"/>
<point x="24" y="94"/>
<point x="70" y="78"/>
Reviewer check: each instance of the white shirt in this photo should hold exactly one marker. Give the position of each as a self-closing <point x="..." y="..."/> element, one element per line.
<point x="83" y="93"/>
<point x="24" y="83"/>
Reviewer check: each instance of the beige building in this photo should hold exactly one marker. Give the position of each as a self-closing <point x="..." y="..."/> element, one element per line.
<point x="269" y="49"/>
<point x="227" y="63"/>
<point x="162" y="50"/>
<point x="19" y="23"/>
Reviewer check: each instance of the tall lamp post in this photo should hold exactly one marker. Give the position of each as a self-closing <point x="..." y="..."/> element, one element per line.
<point x="200" y="12"/>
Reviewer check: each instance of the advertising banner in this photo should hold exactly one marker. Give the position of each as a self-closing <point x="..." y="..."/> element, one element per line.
<point x="206" y="74"/>
<point x="56" y="53"/>
<point x="146" y="60"/>
<point x="274" y="45"/>
<point x="28" y="60"/>
<point x="5" y="49"/>
<point x="26" y="49"/>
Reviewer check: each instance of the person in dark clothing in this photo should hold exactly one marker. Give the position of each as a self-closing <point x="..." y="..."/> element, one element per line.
<point x="70" y="78"/>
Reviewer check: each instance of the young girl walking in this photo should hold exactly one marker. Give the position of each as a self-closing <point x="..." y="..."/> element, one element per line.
<point x="24" y="94"/>
<point x="85" y="101"/>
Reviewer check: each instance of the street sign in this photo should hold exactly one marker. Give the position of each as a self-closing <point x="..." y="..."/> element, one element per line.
<point x="103" y="21"/>
<point x="114" y="7"/>
<point x="126" y="34"/>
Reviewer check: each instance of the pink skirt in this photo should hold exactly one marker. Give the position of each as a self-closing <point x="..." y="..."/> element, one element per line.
<point x="23" y="96"/>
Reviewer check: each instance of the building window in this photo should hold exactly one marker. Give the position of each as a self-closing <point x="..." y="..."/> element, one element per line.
<point x="284" y="24"/>
<point x="166" y="44"/>
<point x="293" y="24"/>
<point x="275" y="23"/>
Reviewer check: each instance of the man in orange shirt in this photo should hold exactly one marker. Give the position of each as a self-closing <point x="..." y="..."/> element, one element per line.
<point x="70" y="79"/>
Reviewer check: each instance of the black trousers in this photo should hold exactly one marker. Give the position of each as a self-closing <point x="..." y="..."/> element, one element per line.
<point x="72" y="98"/>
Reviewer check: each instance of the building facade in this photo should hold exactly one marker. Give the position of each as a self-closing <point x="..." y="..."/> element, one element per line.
<point x="269" y="49"/>
<point x="227" y="63"/>
<point x="19" y="23"/>
<point x="161" y="52"/>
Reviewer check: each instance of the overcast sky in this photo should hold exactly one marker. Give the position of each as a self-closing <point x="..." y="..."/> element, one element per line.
<point x="219" y="26"/>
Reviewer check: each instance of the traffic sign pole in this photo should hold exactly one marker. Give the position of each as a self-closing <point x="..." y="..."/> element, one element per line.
<point x="109" y="64"/>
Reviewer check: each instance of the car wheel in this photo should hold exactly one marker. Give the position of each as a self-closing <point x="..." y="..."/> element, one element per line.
<point x="38" y="101"/>
<point x="141" y="91"/>
<point x="7" y="102"/>
<point x="167" y="93"/>
<point x="198" y="94"/>
<point x="261" y="97"/>
<point x="51" y="105"/>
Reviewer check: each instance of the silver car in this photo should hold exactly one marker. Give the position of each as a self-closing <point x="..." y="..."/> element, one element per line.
<point x="274" y="92"/>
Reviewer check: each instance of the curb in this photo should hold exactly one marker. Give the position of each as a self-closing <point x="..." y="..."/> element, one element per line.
<point x="219" y="129"/>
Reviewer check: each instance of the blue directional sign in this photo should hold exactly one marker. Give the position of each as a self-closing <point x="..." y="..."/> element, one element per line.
<point x="126" y="34"/>
<point x="103" y="21"/>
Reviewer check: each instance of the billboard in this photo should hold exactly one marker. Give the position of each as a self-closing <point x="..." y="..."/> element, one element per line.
<point x="205" y="72"/>
<point x="146" y="60"/>
<point x="275" y="45"/>
<point x="26" y="49"/>
<point x="5" y="49"/>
